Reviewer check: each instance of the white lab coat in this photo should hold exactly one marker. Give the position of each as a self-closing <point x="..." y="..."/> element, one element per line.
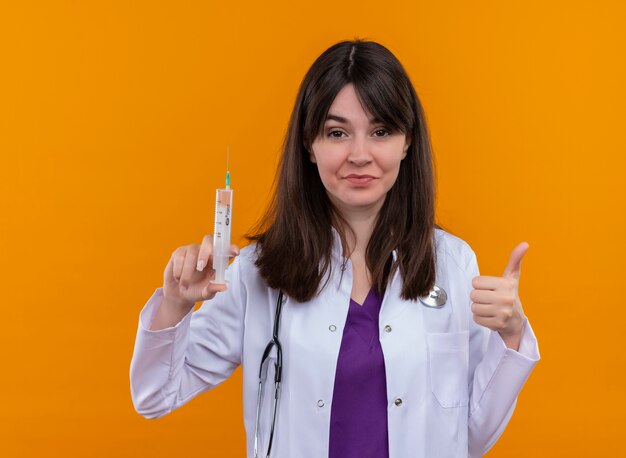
<point x="452" y="384"/>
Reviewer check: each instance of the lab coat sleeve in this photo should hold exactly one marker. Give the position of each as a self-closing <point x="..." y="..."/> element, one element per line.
<point x="499" y="373"/>
<point x="171" y="366"/>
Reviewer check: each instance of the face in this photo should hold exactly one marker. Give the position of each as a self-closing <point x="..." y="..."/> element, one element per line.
<point x="358" y="157"/>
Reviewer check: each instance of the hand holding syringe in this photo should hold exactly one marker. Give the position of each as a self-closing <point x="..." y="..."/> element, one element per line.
<point x="186" y="278"/>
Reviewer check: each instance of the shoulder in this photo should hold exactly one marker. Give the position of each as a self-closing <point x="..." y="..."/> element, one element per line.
<point x="243" y="271"/>
<point x="247" y="257"/>
<point x="453" y="249"/>
<point x="245" y="264"/>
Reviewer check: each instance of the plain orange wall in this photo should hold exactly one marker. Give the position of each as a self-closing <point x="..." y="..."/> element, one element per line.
<point x="114" y="122"/>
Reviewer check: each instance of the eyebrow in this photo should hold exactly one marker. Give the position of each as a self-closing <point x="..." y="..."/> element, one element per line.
<point x="333" y="117"/>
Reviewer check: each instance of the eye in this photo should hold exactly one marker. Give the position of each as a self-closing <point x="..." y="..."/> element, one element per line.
<point x="332" y="133"/>
<point x="382" y="133"/>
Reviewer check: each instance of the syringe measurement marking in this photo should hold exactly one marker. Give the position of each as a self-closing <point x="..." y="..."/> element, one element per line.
<point x="218" y="221"/>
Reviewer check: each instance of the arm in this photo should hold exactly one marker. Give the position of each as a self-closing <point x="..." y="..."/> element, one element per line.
<point x="498" y="375"/>
<point x="171" y="366"/>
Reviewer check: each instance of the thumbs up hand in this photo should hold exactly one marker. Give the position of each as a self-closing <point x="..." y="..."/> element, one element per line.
<point x="496" y="303"/>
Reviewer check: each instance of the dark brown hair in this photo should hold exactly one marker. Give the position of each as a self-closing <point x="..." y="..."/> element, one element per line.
<point x="294" y="236"/>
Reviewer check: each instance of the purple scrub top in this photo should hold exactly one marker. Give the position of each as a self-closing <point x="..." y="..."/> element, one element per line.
<point x="358" y="418"/>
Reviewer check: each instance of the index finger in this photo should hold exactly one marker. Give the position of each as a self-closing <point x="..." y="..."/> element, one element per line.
<point x="206" y="249"/>
<point x="234" y="250"/>
<point x="486" y="282"/>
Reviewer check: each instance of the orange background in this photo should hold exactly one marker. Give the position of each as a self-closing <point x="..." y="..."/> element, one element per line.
<point x="114" y="122"/>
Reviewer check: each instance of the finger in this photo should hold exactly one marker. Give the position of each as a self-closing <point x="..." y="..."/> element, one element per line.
<point x="169" y="269"/>
<point x="191" y="260"/>
<point x="487" y="282"/>
<point x="492" y="323"/>
<point x="484" y="296"/>
<point x="178" y="261"/>
<point x="206" y="249"/>
<point x="514" y="266"/>
<point x="484" y="310"/>
<point x="210" y="290"/>
<point x="234" y="250"/>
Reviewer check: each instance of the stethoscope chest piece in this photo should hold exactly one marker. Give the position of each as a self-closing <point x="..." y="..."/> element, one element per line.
<point x="436" y="298"/>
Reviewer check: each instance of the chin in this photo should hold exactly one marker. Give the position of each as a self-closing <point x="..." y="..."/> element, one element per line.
<point x="361" y="203"/>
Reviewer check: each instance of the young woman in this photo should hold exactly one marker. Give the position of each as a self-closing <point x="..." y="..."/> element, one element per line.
<point x="388" y="343"/>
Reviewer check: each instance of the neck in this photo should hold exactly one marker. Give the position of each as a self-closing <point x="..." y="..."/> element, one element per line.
<point x="362" y="222"/>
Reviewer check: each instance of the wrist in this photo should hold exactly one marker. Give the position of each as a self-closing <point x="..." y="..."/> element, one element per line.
<point x="512" y="340"/>
<point x="177" y="305"/>
<point x="170" y="312"/>
<point x="516" y="327"/>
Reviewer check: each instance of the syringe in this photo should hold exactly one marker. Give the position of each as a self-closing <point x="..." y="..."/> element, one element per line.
<point x="221" y="232"/>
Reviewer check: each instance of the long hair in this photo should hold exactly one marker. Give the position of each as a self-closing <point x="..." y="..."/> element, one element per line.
<point x="294" y="236"/>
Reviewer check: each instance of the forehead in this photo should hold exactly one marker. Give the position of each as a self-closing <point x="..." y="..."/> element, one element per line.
<point x="347" y="106"/>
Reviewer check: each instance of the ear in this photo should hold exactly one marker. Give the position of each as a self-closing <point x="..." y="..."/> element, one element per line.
<point x="312" y="157"/>
<point x="406" y="146"/>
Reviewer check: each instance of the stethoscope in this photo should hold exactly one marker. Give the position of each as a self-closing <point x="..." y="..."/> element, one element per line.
<point x="278" y="373"/>
<point x="436" y="298"/>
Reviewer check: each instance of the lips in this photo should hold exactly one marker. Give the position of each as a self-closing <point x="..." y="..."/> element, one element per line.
<point x="360" y="179"/>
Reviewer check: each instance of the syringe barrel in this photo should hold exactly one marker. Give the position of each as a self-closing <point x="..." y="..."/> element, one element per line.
<point x="221" y="232"/>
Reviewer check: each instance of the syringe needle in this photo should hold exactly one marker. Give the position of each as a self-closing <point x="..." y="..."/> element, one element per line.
<point x="227" y="169"/>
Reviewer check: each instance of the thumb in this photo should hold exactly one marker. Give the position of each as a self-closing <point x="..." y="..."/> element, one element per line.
<point x="515" y="261"/>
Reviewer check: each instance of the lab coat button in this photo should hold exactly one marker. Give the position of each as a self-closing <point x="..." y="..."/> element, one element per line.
<point x="398" y="402"/>
<point x="332" y="328"/>
<point x="387" y="328"/>
<point x="320" y="403"/>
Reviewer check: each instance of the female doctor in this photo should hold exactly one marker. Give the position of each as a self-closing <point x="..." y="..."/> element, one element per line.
<point x="389" y="343"/>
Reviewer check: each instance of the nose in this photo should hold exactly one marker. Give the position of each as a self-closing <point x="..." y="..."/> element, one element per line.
<point x="359" y="153"/>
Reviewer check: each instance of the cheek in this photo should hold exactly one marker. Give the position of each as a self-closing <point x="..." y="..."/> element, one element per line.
<point x="391" y="169"/>
<point x="328" y="164"/>
<point x="327" y="174"/>
<point x="391" y="164"/>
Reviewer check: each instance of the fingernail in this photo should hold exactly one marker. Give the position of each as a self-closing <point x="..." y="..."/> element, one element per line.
<point x="200" y="265"/>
